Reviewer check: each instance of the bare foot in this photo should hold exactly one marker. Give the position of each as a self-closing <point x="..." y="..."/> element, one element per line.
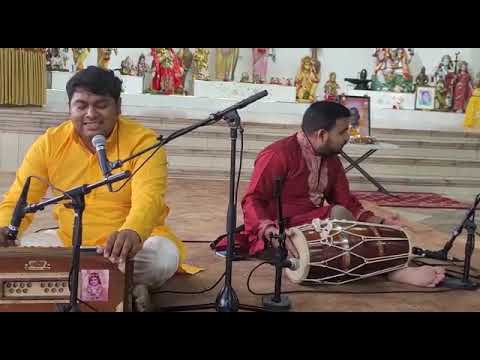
<point x="424" y="276"/>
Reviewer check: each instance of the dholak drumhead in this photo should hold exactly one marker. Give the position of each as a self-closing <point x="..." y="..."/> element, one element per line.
<point x="339" y="251"/>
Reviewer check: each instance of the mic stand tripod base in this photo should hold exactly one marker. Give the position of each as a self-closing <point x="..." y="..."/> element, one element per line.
<point x="272" y="304"/>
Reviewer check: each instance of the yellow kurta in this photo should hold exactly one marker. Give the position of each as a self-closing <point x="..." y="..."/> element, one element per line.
<point x="472" y="113"/>
<point x="60" y="157"/>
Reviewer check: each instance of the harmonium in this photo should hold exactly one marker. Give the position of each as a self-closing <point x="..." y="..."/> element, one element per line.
<point x="37" y="279"/>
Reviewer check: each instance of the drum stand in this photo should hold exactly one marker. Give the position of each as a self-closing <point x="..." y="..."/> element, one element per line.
<point x="469" y="224"/>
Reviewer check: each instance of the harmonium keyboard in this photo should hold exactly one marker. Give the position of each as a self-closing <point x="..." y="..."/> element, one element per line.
<point x="37" y="279"/>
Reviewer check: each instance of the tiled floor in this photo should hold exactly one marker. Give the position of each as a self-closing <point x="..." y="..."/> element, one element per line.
<point x="198" y="213"/>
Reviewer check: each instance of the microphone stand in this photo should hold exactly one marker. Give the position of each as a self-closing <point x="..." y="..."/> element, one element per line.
<point x="77" y="196"/>
<point x="227" y="299"/>
<point x="469" y="224"/>
<point x="279" y="302"/>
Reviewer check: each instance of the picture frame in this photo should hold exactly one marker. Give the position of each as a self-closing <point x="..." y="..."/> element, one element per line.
<point x="360" y="107"/>
<point x="425" y="98"/>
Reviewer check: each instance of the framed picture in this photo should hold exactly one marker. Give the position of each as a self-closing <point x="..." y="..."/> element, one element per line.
<point x="425" y="98"/>
<point x="359" y="106"/>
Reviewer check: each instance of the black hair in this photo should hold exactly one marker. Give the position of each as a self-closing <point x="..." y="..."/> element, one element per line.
<point x="97" y="80"/>
<point x="323" y="115"/>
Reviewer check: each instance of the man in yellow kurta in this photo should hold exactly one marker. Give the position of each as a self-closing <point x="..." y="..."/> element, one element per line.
<point x="127" y="223"/>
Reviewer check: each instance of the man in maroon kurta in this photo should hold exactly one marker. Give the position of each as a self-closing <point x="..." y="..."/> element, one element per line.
<point x="314" y="185"/>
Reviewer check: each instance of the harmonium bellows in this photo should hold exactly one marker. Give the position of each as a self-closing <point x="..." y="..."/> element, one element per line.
<point x="37" y="279"/>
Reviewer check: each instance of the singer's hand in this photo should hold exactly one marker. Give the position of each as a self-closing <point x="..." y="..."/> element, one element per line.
<point x="122" y="245"/>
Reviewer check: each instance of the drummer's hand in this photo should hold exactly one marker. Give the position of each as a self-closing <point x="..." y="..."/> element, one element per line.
<point x="272" y="230"/>
<point x="269" y="232"/>
<point x="121" y="245"/>
<point x="392" y="220"/>
<point x="4" y="240"/>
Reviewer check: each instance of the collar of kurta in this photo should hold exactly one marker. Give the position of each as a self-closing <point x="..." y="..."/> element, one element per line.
<point x="318" y="177"/>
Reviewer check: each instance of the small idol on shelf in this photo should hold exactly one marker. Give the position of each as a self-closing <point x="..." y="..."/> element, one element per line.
<point x="422" y="78"/>
<point x="245" y="78"/>
<point x="104" y="55"/>
<point x="306" y="81"/>
<point x="441" y="94"/>
<point x="362" y="83"/>
<point x="274" y="81"/>
<point x="331" y="88"/>
<point x="79" y="57"/>
<point x="142" y="66"/>
<point x="56" y="59"/>
<point x="127" y="67"/>
<point x="200" y="64"/>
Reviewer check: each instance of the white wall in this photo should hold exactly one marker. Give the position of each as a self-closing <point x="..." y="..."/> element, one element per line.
<point x="346" y="62"/>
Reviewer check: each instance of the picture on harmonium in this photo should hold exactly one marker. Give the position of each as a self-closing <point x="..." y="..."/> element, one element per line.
<point x="37" y="279"/>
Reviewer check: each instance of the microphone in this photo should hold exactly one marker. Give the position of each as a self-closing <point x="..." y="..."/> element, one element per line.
<point x="240" y="104"/>
<point x="18" y="212"/>
<point x="98" y="142"/>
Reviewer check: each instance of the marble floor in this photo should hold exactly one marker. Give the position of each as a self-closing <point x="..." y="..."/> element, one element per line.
<point x="198" y="214"/>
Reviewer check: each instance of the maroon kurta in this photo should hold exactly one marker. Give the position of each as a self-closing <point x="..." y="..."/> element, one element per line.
<point x="284" y="159"/>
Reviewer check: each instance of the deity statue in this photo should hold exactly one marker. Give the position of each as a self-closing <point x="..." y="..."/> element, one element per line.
<point x="444" y="68"/>
<point x="226" y="63"/>
<point x="127" y="67"/>
<point x="200" y="64"/>
<point x="260" y="64"/>
<point x="331" y="88"/>
<point x="245" y="78"/>
<point x="380" y="56"/>
<point x="441" y="96"/>
<point x="142" y="66"/>
<point x="463" y="88"/>
<point x="422" y="78"/>
<point x="306" y="81"/>
<point x="392" y="72"/>
<point x="56" y="59"/>
<point x="79" y="57"/>
<point x="186" y="59"/>
<point x="168" y="72"/>
<point x="104" y="55"/>
<point x="362" y="83"/>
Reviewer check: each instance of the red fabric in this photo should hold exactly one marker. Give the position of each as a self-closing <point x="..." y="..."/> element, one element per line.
<point x="411" y="200"/>
<point x="167" y="79"/>
<point x="284" y="159"/>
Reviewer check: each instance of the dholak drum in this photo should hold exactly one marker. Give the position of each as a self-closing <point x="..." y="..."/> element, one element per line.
<point x="340" y="251"/>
